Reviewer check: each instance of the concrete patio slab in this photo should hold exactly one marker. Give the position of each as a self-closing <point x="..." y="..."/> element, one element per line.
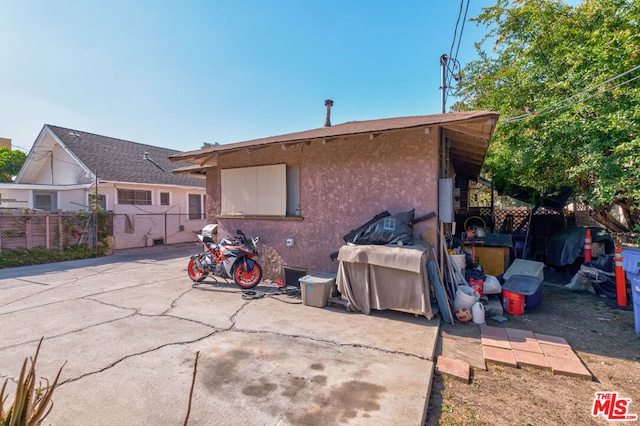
<point x="568" y="367"/>
<point x="459" y="370"/>
<point x="390" y="331"/>
<point x="530" y="359"/>
<point x="246" y="379"/>
<point x="55" y="319"/>
<point x="95" y="348"/>
<point x="129" y="327"/>
<point x="499" y="356"/>
<point x="527" y="344"/>
<point x="496" y="341"/>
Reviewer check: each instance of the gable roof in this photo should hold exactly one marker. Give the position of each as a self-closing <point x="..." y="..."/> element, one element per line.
<point x="469" y="133"/>
<point x="122" y="161"/>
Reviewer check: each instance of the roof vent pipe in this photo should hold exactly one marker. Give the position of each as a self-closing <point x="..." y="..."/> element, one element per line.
<point x="327" y="120"/>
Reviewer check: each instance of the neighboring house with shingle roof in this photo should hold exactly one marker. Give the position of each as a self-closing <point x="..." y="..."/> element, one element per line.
<point x="134" y="181"/>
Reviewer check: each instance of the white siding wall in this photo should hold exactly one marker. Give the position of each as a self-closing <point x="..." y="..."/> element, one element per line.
<point x="22" y="195"/>
<point x="71" y="200"/>
<point x="148" y="221"/>
<point x="66" y="171"/>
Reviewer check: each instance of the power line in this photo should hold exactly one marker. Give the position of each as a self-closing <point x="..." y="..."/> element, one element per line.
<point x="594" y="95"/>
<point x="455" y="31"/>
<point x="22" y="148"/>
<point x="545" y="109"/>
<point x="456" y="62"/>
<point x="550" y="108"/>
<point x="464" y="20"/>
<point x="452" y="62"/>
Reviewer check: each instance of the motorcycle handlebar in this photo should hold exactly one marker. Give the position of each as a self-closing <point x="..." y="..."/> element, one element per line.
<point x="240" y="239"/>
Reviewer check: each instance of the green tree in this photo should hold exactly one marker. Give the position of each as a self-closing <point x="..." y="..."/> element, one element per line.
<point x="570" y="108"/>
<point x="10" y="163"/>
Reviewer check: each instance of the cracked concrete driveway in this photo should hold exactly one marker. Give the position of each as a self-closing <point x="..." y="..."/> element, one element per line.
<point x="128" y="327"/>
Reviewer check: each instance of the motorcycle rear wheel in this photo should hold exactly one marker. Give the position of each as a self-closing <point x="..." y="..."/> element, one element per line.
<point x="196" y="274"/>
<point x="247" y="278"/>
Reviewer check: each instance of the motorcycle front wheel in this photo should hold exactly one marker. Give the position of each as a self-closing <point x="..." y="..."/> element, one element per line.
<point x="246" y="278"/>
<point x="196" y="274"/>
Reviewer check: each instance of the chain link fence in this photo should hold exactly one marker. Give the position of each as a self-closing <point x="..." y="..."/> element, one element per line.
<point x="152" y="229"/>
<point x="57" y="231"/>
<point x="50" y="231"/>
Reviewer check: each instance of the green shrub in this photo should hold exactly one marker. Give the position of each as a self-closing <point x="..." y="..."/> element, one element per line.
<point x="23" y="257"/>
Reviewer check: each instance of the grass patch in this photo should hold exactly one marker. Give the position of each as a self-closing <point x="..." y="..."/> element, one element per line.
<point x="15" y="258"/>
<point x="446" y="408"/>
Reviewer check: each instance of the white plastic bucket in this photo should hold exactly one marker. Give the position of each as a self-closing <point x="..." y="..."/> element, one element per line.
<point x="465" y="297"/>
<point x="477" y="310"/>
<point x="460" y="260"/>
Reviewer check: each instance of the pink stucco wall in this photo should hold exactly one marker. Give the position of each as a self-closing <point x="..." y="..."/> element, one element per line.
<point x="344" y="183"/>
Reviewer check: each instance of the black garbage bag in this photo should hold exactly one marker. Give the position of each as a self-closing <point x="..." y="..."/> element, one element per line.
<point x="394" y="229"/>
<point x="604" y="263"/>
<point x="477" y="273"/>
<point x="352" y="234"/>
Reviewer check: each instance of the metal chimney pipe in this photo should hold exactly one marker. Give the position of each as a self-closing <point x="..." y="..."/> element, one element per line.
<point x="327" y="120"/>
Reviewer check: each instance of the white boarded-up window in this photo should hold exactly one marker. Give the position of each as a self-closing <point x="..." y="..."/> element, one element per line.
<point x="254" y="191"/>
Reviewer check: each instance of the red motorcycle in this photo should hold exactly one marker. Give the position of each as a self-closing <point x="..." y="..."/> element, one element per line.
<point x="230" y="258"/>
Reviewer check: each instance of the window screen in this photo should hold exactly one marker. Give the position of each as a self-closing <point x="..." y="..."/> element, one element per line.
<point x="45" y="202"/>
<point x="254" y="191"/>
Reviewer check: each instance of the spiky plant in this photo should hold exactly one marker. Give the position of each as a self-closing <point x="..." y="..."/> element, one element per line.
<point x="32" y="404"/>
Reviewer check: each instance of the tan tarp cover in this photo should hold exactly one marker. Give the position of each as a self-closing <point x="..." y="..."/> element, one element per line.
<point x="385" y="277"/>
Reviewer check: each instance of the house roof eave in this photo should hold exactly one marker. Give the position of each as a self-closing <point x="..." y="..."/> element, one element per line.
<point x="161" y="185"/>
<point x="486" y="124"/>
<point x="44" y="187"/>
<point x="195" y="170"/>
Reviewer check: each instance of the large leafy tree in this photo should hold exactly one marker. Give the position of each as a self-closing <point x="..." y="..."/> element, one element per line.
<point x="10" y="163"/>
<point x="570" y="108"/>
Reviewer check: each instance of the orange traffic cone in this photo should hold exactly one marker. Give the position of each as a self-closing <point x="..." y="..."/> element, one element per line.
<point x="621" y="279"/>
<point x="587" y="246"/>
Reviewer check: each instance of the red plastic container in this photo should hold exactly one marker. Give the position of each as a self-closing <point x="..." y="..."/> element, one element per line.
<point x="513" y="303"/>
<point x="477" y="286"/>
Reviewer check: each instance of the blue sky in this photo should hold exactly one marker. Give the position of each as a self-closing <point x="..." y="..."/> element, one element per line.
<point x="177" y="74"/>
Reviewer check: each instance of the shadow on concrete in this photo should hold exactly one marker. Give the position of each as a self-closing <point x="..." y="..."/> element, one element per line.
<point x="155" y="254"/>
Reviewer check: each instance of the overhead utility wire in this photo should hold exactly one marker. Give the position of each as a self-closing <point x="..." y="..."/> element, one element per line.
<point x="512" y="119"/>
<point x="595" y="94"/>
<point x="449" y="59"/>
<point x="452" y="61"/>
<point x="543" y="110"/>
<point x="455" y="31"/>
<point x="464" y="20"/>
<point x="456" y="62"/>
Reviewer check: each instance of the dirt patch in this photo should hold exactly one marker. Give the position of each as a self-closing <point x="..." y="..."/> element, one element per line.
<point x="602" y="335"/>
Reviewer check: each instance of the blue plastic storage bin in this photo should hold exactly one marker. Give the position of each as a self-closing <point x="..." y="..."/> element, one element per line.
<point x="528" y="286"/>
<point x="631" y="265"/>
